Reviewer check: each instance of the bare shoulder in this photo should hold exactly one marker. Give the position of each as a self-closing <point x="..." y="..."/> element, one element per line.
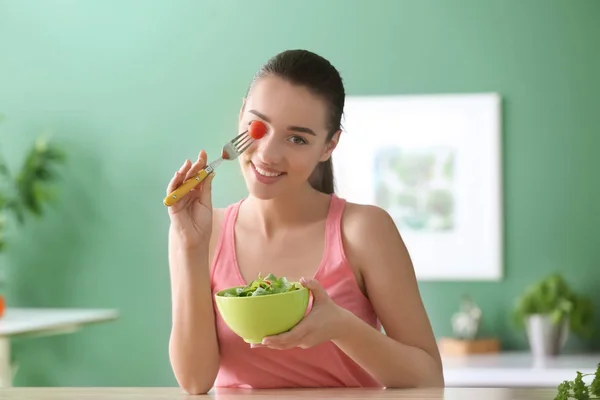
<point x="364" y="220"/>
<point x="368" y="230"/>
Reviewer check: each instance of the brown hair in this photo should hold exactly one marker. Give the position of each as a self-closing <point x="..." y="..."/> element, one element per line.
<point x="302" y="67"/>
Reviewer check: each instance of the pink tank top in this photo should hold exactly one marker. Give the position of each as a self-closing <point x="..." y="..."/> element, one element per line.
<point x="324" y="365"/>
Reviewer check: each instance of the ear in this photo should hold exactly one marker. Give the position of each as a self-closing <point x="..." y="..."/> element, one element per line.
<point x="331" y="145"/>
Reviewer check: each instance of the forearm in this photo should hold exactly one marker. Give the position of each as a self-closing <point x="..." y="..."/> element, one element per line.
<point x="193" y="346"/>
<point x="393" y="364"/>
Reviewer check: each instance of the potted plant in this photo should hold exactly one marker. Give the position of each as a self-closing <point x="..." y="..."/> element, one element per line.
<point x="549" y="310"/>
<point x="27" y="190"/>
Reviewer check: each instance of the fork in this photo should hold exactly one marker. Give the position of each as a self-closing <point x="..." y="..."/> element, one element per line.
<point x="231" y="150"/>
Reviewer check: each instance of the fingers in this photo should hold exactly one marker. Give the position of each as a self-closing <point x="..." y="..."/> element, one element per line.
<point x="197" y="166"/>
<point x="288" y="339"/>
<point x="187" y="171"/>
<point x="287" y="344"/>
<point x="318" y="292"/>
<point x="179" y="176"/>
<point x="182" y="204"/>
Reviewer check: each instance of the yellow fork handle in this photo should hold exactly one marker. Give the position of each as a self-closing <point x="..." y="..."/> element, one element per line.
<point x="185" y="188"/>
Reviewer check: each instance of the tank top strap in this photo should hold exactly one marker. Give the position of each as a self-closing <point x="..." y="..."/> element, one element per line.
<point x="229" y="219"/>
<point x="334" y="218"/>
<point x="334" y="251"/>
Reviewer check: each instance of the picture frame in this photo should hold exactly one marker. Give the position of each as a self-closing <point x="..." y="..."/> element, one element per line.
<point x="434" y="163"/>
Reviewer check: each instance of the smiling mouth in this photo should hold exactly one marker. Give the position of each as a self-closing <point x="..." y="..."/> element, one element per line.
<point x="268" y="174"/>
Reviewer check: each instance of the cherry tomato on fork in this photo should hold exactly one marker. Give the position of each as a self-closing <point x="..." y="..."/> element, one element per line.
<point x="257" y="129"/>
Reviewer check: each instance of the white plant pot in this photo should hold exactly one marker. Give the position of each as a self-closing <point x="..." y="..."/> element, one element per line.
<point x="546" y="338"/>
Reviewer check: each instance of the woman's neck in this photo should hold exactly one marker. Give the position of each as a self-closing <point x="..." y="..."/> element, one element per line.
<point x="285" y="212"/>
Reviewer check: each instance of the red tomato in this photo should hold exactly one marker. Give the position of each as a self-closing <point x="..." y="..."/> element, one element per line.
<point x="257" y="129"/>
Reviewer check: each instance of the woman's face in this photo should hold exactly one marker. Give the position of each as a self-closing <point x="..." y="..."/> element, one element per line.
<point x="281" y="162"/>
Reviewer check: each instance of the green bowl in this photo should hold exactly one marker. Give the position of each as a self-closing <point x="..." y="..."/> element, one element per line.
<point x="253" y="318"/>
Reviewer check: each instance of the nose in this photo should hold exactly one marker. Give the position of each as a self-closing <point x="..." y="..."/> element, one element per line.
<point x="269" y="150"/>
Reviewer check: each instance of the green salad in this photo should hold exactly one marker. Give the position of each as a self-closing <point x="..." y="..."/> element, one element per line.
<point x="270" y="284"/>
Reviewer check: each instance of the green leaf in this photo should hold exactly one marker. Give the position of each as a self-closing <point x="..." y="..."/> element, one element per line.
<point x="580" y="390"/>
<point x="564" y="391"/>
<point x="263" y="286"/>
<point x="31" y="186"/>
<point x="2" y="224"/>
<point x="4" y="169"/>
<point x="259" y="291"/>
<point x="552" y="295"/>
<point x="37" y="172"/>
<point x="577" y="389"/>
<point x="595" y="385"/>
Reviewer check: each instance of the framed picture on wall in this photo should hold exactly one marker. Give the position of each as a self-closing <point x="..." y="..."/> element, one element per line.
<point x="433" y="162"/>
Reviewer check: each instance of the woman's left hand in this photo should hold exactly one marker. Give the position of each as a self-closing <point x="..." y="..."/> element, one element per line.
<point x="323" y="323"/>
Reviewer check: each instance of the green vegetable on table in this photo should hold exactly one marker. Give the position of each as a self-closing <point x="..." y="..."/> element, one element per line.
<point x="270" y="284"/>
<point x="577" y="388"/>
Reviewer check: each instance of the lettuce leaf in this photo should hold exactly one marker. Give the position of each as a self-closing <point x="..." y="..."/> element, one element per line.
<point x="270" y="284"/>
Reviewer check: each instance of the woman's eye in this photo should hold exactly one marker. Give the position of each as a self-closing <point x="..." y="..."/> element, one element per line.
<point x="298" y="140"/>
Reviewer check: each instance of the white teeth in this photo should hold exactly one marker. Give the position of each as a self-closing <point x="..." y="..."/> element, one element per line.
<point x="265" y="173"/>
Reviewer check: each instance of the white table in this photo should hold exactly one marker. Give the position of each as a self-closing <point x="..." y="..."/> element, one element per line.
<point x="515" y="369"/>
<point x="42" y="322"/>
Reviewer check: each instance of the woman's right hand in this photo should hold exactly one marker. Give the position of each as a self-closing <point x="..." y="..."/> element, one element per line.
<point x="191" y="217"/>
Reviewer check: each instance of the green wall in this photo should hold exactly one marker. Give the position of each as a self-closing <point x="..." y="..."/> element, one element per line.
<point x="132" y="88"/>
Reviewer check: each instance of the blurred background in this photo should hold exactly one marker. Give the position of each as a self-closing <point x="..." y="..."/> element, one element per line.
<point x="127" y="90"/>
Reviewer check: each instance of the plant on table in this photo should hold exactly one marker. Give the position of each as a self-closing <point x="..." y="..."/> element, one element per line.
<point x="577" y="388"/>
<point x="25" y="191"/>
<point x="552" y="296"/>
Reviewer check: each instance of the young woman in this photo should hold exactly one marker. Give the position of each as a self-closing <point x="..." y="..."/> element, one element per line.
<point x="291" y="224"/>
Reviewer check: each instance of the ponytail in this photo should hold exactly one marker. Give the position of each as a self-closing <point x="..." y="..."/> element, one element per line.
<point x="322" y="177"/>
